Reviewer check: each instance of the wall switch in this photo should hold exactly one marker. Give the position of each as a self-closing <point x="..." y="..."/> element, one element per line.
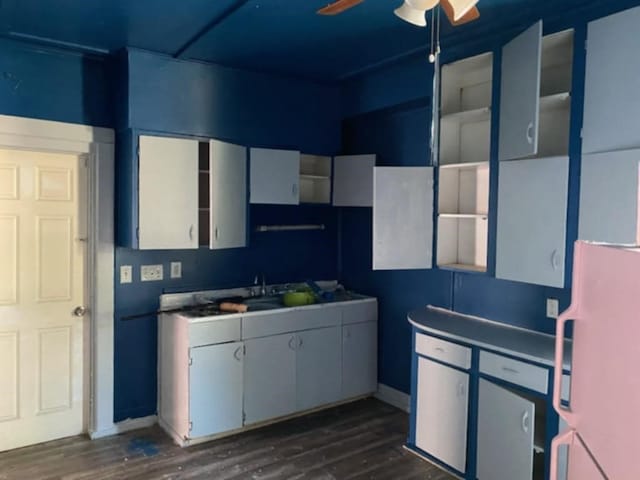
<point x="126" y="274"/>
<point x="151" y="273"/>
<point x="552" y="308"/>
<point x="176" y="269"/>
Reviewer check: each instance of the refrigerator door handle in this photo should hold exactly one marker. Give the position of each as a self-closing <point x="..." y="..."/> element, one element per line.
<point x="565" y="438"/>
<point x="565" y="413"/>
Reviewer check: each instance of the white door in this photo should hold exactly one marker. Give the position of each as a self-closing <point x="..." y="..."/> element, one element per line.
<point x="274" y="176"/>
<point x="609" y="197"/>
<point x="168" y="193"/>
<point x="359" y="359"/>
<point x="402" y="218"/>
<point x="520" y="95"/>
<point x="441" y="413"/>
<point x="215" y="389"/>
<point x="228" y="190"/>
<point x="611" y="98"/>
<point x="42" y="281"/>
<point x="353" y="180"/>
<point x="269" y="377"/>
<point x="318" y="367"/>
<point x="532" y="220"/>
<point x="505" y="434"/>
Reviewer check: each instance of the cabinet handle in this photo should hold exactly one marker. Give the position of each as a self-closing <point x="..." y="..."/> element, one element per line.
<point x="294" y="189"/>
<point x="461" y="389"/>
<point x="238" y="353"/>
<point x="525" y="422"/>
<point x="299" y="342"/>
<point x="215" y="233"/>
<point x="555" y="260"/>
<point x="293" y="337"/>
<point x="439" y="349"/>
<point x="530" y="133"/>
<point x="511" y="370"/>
<point x="191" y="232"/>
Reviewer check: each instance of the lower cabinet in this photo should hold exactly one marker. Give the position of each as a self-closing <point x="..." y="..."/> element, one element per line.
<point x="442" y="413"/>
<point x="359" y="359"/>
<point x="318" y="364"/>
<point x="269" y="377"/>
<point x="215" y="388"/>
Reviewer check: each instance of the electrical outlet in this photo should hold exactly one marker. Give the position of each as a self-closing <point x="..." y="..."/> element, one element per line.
<point x="552" y="308"/>
<point x="176" y="269"/>
<point x="126" y="274"/>
<point x="151" y="273"/>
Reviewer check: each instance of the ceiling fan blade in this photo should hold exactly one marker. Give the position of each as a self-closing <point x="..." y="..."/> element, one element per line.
<point x="470" y="16"/>
<point x="338" y="7"/>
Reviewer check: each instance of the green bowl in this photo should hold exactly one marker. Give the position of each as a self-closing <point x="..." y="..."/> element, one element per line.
<point x="297" y="299"/>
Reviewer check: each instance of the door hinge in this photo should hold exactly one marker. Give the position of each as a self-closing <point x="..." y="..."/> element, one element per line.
<point x="138" y="233"/>
<point x="244" y="417"/>
<point x="190" y="426"/>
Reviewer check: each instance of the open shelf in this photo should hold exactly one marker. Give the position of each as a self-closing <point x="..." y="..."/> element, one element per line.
<point x="480" y="216"/>
<point x="464" y="189"/>
<point x="465" y="137"/>
<point x="463" y="267"/>
<point x="467" y="84"/>
<point x="315" y="179"/>
<point x="204" y="194"/>
<point x="557" y="61"/>
<point x="462" y="242"/>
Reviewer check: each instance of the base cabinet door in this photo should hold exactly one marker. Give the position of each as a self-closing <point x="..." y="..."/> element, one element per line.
<point x="505" y="434"/>
<point x="359" y="359"/>
<point x="269" y="377"/>
<point x="442" y="413"/>
<point x="318" y="365"/>
<point x="215" y="389"/>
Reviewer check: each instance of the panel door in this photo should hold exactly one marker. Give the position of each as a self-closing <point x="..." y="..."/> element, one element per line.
<point x="402" y="218"/>
<point x="609" y="197"/>
<point x="269" y="377"/>
<point x="228" y="190"/>
<point x="353" y="180"/>
<point x="275" y="176"/>
<point x="359" y="359"/>
<point x="42" y="281"/>
<point x="168" y="193"/>
<point x="442" y="413"/>
<point x="612" y="99"/>
<point x="215" y="388"/>
<point x="532" y="219"/>
<point x="318" y="367"/>
<point x="505" y="434"/>
<point x="520" y="95"/>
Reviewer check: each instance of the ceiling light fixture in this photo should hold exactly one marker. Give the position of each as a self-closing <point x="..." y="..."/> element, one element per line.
<point x="414" y="11"/>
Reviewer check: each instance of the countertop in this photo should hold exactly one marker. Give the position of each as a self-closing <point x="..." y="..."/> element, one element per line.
<point x="519" y="342"/>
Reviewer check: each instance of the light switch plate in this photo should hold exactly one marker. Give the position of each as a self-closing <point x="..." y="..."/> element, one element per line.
<point x="176" y="269"/>
<point x="552" y="308"/>
<point x="151" y="273"/>
<point x="126" y="274"/>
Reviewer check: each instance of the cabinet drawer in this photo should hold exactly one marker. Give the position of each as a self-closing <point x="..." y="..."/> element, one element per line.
<point x="216" y="331"/>
<point x="447" y="352"/>
<point x="513" y="371"/>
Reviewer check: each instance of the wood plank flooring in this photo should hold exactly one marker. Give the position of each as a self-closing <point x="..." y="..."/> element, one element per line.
<point x="361" y="440"/>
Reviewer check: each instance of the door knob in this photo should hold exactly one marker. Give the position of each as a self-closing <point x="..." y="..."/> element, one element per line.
<point x="79" y="311"/>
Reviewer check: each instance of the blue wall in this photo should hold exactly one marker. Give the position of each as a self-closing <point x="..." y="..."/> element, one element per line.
<point x="194" y="99"/>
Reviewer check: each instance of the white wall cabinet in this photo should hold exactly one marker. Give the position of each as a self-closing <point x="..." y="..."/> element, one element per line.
<point x="353" y="180"/>
<point x="359" y="359"/>
<point x="215" y="388"/>
<point x="612" y="99"/>
<point x="223" y="203"/>
<point x="274" y="176"/>
<point x="402" y="218"/>
<point x="532" y="217"/>
<point x="270" y="377"/>
<point x="442" y="413"/>
<point x="168" y="193"/>
<point x="506" y="430"/>
<point x="609" y="197"/>
<point x="318" y="367"/>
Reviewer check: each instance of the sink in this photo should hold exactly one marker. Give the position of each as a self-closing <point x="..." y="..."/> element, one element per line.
<point x="263" y="303"/>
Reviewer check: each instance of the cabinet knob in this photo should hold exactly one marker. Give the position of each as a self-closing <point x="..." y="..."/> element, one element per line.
<point x="191" y="232"/>
<point x="291" y="346"/>
<point x="461" y="389"/>
<point x="525" y="422"/>
<point x="238" y="353"/>
<point x="530" y="133"/>
<point x="555" y="260"/>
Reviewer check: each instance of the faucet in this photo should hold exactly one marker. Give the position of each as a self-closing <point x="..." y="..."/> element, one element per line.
<point x="263" y="288"/>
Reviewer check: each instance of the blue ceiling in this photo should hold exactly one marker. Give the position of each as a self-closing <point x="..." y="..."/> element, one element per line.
<point x="283" y="36"/>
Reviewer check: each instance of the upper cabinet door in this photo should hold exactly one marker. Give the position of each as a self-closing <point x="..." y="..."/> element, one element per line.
<point x="275" y="176"/>
<point x="402" y="218"/>
<point x="520" y="95"/>
<point x="612" y="97"/>
<point x="532" y="219"/>
<point x="228" y="190"/>
<point x="168" y="193"/>
<point x="609" y="197"/>
<point x="353" y="180"/>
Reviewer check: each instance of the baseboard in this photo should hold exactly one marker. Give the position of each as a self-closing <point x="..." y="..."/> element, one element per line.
<point x="393" y="397"/>
<point x="125" y="426"/>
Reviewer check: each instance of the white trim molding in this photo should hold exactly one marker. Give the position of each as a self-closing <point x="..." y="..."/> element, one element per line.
<point x="393" y="397"/>
<point x="98" y="145"/>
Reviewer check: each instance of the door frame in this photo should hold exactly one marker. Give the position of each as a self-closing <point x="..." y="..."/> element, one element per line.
<point x="97" y="146"/>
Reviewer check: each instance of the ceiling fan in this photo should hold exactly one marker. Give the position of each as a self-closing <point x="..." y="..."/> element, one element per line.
<point x="458" y="12"/>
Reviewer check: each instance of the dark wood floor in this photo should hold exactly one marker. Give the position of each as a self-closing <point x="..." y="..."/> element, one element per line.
<point x="362" y="440"/>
